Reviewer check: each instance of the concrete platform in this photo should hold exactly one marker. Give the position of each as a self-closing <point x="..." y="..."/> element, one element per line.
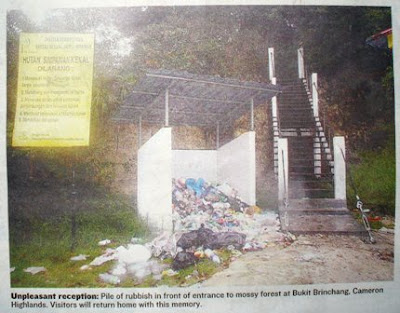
<point x="313" y="216"/>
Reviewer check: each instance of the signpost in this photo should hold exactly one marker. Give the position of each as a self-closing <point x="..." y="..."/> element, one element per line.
<point x="54" y="90"/>
<point x="54" y="95"/>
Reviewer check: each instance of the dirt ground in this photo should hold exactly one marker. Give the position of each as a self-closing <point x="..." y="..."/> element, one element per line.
<point x="313" y="259"/>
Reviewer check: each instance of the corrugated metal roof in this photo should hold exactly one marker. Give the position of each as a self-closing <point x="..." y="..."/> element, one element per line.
<point x="192" y="99"/>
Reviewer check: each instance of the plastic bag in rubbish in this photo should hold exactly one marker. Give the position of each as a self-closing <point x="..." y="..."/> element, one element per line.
<point x="163" y="245"/>
<point x="102" y="259"/>
<point x="225" y="239"/>
<point x="195" y="238"/>
<point x="110" y="279"/>
<point x="133" y="254"/>
<point x="227" y="190"/>
<point x="196" y="185"/>
<point x="212" y="256"/>
<point x="139" y="270"/>
<point x="119" y="270"/>
<point x="143" y="269"/>
<point x="182" y="260"/>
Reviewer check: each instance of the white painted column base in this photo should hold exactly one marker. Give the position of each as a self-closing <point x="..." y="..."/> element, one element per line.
<point x="283" y="169"/>
<point x="339" y="154"/>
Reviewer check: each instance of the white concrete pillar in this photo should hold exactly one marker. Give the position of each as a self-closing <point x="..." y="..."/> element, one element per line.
<point x="339" y="154"/>
<point x="300" y="61"/>
<point x="274" y="102"/>
<point x="283" y="169"/>
<point x="314" y="89"/>
<point x="271" y="63"/>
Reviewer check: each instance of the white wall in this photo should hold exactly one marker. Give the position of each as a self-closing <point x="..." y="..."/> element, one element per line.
<point x="233" y="163"/>
<point x="236" y="165"/>
<point x="195" y="164"/>
<point x="155" y="179"/>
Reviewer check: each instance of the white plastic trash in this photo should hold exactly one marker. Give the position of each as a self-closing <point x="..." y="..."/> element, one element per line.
<point x="133" y="254"/>
<point x="104" y="242"/>
<point x="110" y="279"/>
<point x="227" y="190"/>
<point x="80" y="257"/>
<point x="119" y="270"/>
<point x="85" y="267"/>
<point x="35" y="269"/>
<point x="102" y="259"/>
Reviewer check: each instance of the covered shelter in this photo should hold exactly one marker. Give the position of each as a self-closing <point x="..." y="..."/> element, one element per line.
<point x="171" y="98"/>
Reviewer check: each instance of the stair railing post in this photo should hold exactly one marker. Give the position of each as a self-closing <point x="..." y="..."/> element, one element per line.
<point x="283" y="170"/>
<point x="317" y="138"/>
<point x="274" y="106"/>
<point x="317" y="156"/>
<point x="339" y="154"/>
<point x="271" y="63"/>
<point x="314" y="91"/>
<point x="275" y="126"/>
<point x="300" y="61"/>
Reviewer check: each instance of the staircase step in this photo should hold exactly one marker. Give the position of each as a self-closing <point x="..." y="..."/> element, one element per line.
<point x="317" y="204"/>
<point x="311" y="193"/>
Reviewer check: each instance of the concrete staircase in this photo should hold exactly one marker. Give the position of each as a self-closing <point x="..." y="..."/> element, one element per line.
<point x="310" y="166"/>
<point x="311" y="207"/>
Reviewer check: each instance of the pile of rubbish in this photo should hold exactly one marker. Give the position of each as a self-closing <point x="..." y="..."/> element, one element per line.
<point x="219" y="208"/>
<point x="206" y="218"/>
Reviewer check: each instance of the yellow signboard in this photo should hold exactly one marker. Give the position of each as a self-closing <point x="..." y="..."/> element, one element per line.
<point x="390" y="41"/>
<point x="54" y="90"/>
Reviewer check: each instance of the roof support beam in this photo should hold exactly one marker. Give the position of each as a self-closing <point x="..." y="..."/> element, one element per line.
<point x="252" y="114"/>
<point x="140" y="132"/>
<point x="188" y="97"/>
<point x="217" y="139"/>
<point x="201" y="81"/>
<point x="166" y="107"/>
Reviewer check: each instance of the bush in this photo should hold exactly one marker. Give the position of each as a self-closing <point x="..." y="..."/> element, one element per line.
<point x="375" y="180"/>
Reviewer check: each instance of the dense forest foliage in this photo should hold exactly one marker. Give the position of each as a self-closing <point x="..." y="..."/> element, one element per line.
<point x="356" y="79"/>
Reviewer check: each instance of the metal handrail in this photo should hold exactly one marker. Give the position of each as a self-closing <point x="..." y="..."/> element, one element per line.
<point x="327" y="131"/>
<point x="359" y="204"/>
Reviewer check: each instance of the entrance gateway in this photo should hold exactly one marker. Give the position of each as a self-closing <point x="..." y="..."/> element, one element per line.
<point x="309" y="163"/>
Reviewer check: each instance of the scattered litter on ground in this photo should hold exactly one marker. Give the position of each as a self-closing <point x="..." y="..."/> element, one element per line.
<point x="110" y="279"/>
<point x="104" y="242"/>
<point x="85" y="267"/>
<point x="164" y="245"/>
<point x="386" y="230"/>
<point x="35" y="269"/>
<point x="133" y="254"/>
<point x="103" y="259"/>
<point x="81" y="257"/>
<point x="169" y="272"/>
<point x="208" y="219"/>
<point x="12" y="269"/>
